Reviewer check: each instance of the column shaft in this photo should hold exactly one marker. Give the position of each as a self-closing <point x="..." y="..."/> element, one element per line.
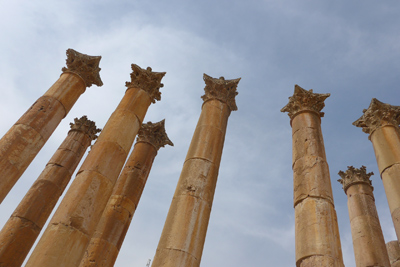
<point x="65" y="239"/>
<point x="316" y="228"/>
<point x="107" y="240"/>
<point x="393" y="249"/>
<point x="184" y="233"/>
<point x="386" y="143"/>
<point x="368" y="242"/>
<point x="69" y="232"/>
<point x="21" y="230"/>
<point x="110" y="232"/>
<point x="24" y="140"/>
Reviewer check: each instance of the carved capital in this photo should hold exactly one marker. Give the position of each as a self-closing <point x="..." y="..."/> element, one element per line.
<point x="154" y="134"/>
<point x="378" y="114"/>
<point x="87" y="67"/>
<point x="354" y="176"/>
<point x="85" y="126"/>
<point x="303" y="100"/>
<point x="221" y="89"/>
<point x="146" y="80"/>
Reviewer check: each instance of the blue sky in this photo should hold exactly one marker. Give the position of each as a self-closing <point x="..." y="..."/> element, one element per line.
<point x="348" y="49"/>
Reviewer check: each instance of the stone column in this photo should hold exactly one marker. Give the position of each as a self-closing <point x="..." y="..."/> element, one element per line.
<point x="381" y="121"/>
<point x="110" y="233"/>
<point x="69" y="232"/>
<point x="21" y="230"/>
<point x="316" y="227"/>
<point x="368" y="242"/>
<point x="23" y="141"/>
<point x="184" y="233"/>
<point x="393" y="249"/>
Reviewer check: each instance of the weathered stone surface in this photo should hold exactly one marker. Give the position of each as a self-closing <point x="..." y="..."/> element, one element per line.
<point x="303" y="100"/>
<point x="184" y="233"/>
<point x="221" y="89"/>
<point x="58" y="251"/>
<point x="87" y="67"/>
<point x="386" y="143"/>
<point x="154" y="134"/>
<point x="110" y="232"/>
<point x="147" y="80"/>
<point x="368" y="242"/>
<point x="21" y="230"/>
<point x="25" y="139"/>
<point x="377" y="115"/>
<point x="316" y="230"/>
<point x="381" y="122"/>
<point x="393" y="249"/>
<point x="87" y="197"/>
<point x="316" y="227"/>
<point x="310" y="179"/>
<point x="354" y="176"/>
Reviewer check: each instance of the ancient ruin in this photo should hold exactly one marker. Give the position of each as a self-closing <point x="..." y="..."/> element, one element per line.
<point x="65" y="240"/>
<point x="368" y="242"/>
<point x="317" y="232"/>
<point x="90" y="224"/>
<point x="23" y="141"/>
<point x="107" y="240"/>
<point x="184" y="233"/>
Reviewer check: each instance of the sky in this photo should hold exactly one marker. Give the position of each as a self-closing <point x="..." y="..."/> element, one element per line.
<point x="347" y="48"/>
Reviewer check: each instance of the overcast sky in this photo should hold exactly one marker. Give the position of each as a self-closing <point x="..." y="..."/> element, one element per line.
<point x="347" y="48"/>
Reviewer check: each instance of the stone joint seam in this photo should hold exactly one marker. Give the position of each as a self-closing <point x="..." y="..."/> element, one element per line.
<point x="330" y="201"/>
<point x="180" y="250"/>
<point x="388" y="167"/>
<point x="103" y="176"/>
<point x="27" y="220"/>
<point x="199" y="158"/>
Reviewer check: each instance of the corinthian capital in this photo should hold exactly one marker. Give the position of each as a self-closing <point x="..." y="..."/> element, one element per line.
<point x="378" y="114"/>
<point x="86" y="126"/>
<point x="87" y="67"/>
<point x="354" y="176"/>
<point x="154" y="134"/>
<point x="221" y="89"/>
<point x="303" y="100"/>
<point x="146" y="80"/>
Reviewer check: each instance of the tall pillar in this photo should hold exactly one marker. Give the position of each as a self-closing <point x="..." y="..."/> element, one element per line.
<point x="393" y="249"/>
<point x="381" y="121"/>
<point x="110" y="233"/>
<point x="27" y="136"/>
<point x="69" y="232"/>
<point x="184" y="233"/>
<point x="368" y="242"/>
<point x="21" y="230"/>
<point x="316" y="227"/>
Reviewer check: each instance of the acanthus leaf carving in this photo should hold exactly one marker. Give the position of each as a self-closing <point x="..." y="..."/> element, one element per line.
<point x="85" y="66"/>
<point x="146" y="80"/>
<point x="377" y="115"/>
<point x="86" y="126"/>
<point x="221" y="89"/>
<point x="303" y="100"/>
<point x="154" y="134"/>
<point x="354" y="176"/>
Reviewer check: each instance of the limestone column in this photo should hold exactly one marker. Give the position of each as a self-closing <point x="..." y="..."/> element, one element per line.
<point x="381" y="121"/>
<point x="110" y="233"/>
<point x="23" y="141"/>
<point x="21" y="230"/>
<point x="368" y="242"/>
<point x="69" y="232"/>
<point x="184" y="233"/>
<point x="393" y="249"/>
<point x="316" y="227"/>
